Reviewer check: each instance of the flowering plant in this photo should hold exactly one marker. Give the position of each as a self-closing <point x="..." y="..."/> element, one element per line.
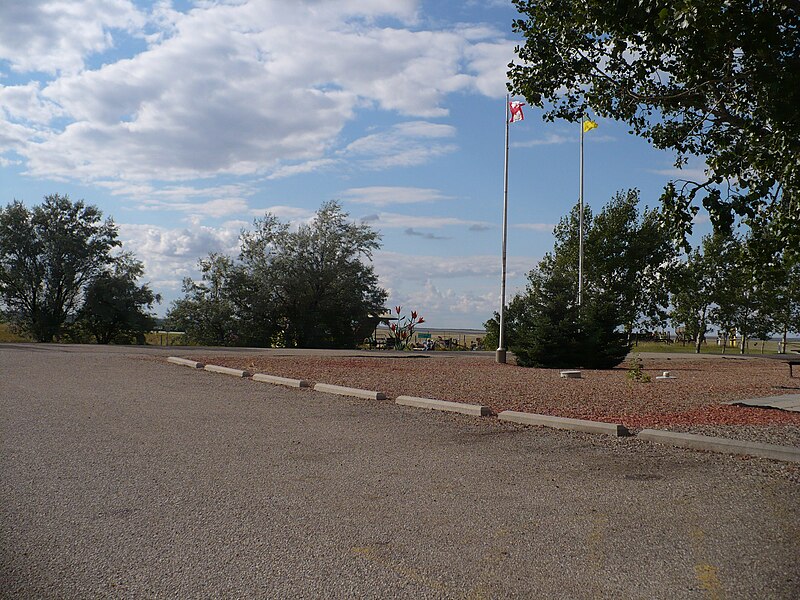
<point x="402" y="330"/>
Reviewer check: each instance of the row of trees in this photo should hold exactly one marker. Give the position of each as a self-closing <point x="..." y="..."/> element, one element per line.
<point x="307" y="288"/>
<point x="638" y="277"/>
<point x="61" y="275"/>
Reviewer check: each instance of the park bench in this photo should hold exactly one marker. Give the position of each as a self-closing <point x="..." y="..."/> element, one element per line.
<point x="793" y="362"/>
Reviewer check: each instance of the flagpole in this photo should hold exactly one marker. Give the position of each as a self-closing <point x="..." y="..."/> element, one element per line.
<point x="500" y="354"/>
<point x="580" y="222"/>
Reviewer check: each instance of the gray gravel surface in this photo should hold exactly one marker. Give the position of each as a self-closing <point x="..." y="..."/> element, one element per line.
<point x="129" y="478"/>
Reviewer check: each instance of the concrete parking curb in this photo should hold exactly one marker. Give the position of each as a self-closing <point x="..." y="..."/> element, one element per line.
<point x="348" y="391"/>
<point x="226" y="371"/>
<point x="185" y="362"/>
<point x="475" y="410"/>
<point x="614" y="429"/>
<point x="718" y="444"/>
<point x="298" y="383"/>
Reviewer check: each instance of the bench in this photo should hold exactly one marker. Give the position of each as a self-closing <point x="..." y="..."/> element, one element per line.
<point x="792" y="363"/>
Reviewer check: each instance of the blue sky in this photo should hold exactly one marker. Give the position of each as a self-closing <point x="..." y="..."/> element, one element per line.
<point x="186" y="120"/>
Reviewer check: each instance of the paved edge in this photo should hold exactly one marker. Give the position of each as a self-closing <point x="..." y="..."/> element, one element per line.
<point x="348" y="391"/>
<point x="718" y="444"/>
<point x="226" y="371"/>
<point x="185" y="362"/>
<point x="458" y="407"/>
<point x="564" y="423"/>
<point x="299" y="383"/>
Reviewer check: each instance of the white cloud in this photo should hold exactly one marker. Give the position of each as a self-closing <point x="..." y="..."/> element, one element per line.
<point x="169" y="255"/>
<point x="488" y="62"/>
<point x="53" y="35"/>
<point x="449" y="291"/>
<point x="404" y="145"/>
<point x="238" y="88"/>
<point x="388" y="195"/>
<point x="698" y="174"/>
<point x="25" y="103"/>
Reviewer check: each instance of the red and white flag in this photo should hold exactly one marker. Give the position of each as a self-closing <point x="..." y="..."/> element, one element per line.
<point x="516" y="111"/>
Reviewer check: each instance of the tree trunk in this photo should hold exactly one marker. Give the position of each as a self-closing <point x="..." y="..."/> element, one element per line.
<point x="698" y="341"/>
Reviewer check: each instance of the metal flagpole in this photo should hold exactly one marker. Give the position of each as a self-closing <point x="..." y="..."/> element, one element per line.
<point x="500" y="355"/>
<point x="580" y="223"/>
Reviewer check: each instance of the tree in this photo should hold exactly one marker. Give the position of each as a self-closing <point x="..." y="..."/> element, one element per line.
<point x="48" y="255"/>
<point x="628" y="256"/>
<point x="718" y="79"/>
<point x="695" y="286"/>
<point x="315" y="277"/>
<point x="777" y="273"/>
<point x="744" y="299"/>
<point x="207" y="312"/>
<point x="308" y="287"/>
<point x="115" y="308"/>
<point x="553" y="331"/>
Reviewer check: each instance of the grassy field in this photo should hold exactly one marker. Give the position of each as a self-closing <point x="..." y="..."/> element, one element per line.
<point x="6" y="335"/>
<point x="755" y="347"/>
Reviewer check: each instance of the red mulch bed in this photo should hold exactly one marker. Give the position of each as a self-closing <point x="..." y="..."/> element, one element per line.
<point x="694" y="397"/>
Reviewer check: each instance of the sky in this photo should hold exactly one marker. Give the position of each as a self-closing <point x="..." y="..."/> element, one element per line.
<point x="185" y="121"/>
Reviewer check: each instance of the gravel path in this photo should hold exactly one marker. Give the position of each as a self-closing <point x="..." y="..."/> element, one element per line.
<point x="690" y="402"/>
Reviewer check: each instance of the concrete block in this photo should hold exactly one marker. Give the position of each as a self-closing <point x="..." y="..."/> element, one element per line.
<point x="226" y="371"/>
<point x="458" y="407"/>
<point x="571" y="375"/>
<point x="563" y="423"/>
<point x="718" y="444"/>
<point x="299" y="383"/>
<point x="348" y="391"/>
<point x="185" y="362"/>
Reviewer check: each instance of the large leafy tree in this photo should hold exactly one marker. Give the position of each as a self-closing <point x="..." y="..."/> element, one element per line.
<point x="48" y="255"/>
<point x="115" y="307"/>
<point x="718" y="79"/>
<point x="305" y="287"/>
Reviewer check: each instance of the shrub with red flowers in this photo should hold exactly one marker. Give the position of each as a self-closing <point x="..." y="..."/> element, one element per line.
<point x="402" y="330"/>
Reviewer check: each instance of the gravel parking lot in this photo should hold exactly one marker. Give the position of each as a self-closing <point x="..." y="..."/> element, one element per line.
<point x="127" y="477"/>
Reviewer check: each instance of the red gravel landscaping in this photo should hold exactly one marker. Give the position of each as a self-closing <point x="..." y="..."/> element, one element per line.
<point x="693" y="398"/>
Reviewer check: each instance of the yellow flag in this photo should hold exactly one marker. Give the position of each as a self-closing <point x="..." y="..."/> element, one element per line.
<point x="588" y="125"/>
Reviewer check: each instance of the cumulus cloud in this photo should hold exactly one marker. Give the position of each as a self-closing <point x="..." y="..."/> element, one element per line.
<point x="170" y="254"/>
<point x="447" y="289"/>
<point x="52" y="35"/>
<point x="237" y="88"/>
